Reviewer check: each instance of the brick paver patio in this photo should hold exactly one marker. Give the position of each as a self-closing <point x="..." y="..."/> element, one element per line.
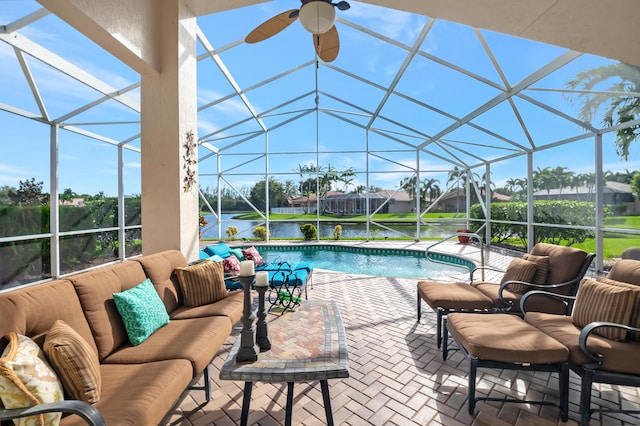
<point x="397" y="373"/>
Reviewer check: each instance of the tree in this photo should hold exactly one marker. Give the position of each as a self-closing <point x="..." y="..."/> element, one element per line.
<point x="409" y="185"/>
<point x="346" y="177"/>
<point x="4" y="195"/>
<point x="29" y="193"/>
<point x="276" y="194"/>
<point x="68" y="195"/>
<point x="619" y="109"/>
<point x="635" y="184"/>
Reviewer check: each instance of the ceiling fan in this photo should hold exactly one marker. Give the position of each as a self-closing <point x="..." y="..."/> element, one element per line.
<point x="316" y="16"/>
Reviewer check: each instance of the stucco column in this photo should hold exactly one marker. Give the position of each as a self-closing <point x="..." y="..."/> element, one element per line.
<point x="169" y="112"/>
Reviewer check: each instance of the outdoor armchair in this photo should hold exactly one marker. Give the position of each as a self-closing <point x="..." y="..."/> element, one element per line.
<point x="602" y="333"/>
<point x="551" y="267"/>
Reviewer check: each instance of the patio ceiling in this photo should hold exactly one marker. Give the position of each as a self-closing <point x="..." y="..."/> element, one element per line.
<point x="602" y="28"/>
<point x="282" y="89"/>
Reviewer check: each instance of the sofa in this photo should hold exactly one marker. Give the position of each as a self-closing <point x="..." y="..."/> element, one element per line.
<point x="141" y="383"/>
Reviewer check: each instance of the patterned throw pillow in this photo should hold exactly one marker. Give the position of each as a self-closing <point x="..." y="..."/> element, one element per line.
<point x="519" y="270"/>
<point x="252" y="254"/>
<point x="141" y="310"/>
<point x="542" y="267"/>
<point x="598" y="301"/>
<point x="231" y="265"/>
<point x="26" y="379"/>
<point x="75" y="362"/>
<point x="202" y="283"/>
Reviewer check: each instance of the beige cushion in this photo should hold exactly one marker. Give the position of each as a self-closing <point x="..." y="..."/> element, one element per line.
<point x="75" y="362"/>
<point x="202" y="283"/>
<point x="564" y="262"/>
<point x="626" y="271"/>
<point x="504" y="338"/>
<point x="542" y="267"/>
<point x="519" y="270"/>
<point x="619" y="356"/>
<point x="26" y="379"/>
<point x="634" y="321"/>
<point x="597" y="301"/>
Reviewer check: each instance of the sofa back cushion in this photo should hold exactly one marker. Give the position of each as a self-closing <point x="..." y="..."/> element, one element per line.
<point x="95" y="290"/>
<point x="626" y="271"/>
<point x="159" y="267"/>
<point x="564" y="262"/>
<point x="32" y="310"/>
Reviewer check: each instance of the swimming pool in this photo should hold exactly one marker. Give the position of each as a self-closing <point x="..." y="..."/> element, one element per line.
<point x="368" y="261"/>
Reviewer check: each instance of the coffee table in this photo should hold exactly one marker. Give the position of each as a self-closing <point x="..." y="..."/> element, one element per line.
<point x="307" y="344"/>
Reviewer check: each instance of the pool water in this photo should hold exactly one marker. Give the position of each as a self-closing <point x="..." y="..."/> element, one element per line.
<point x="368" y="261"/>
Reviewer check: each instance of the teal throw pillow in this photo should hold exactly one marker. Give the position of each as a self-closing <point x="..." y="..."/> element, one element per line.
<point x="238" y="253"/>
<point x="142" y="311"/>
<point x="221" y="249"/>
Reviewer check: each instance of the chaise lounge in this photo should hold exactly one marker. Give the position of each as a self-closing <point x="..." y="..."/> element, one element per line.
<point x="550" y="267"/>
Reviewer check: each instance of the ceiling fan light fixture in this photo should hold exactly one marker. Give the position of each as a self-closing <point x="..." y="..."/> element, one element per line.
<point x="317" y="17"/>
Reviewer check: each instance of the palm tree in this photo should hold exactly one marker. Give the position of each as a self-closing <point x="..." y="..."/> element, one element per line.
<point x="545" y="179"/>
<point x="620" y="109"/>
<point x="429" y="188"/>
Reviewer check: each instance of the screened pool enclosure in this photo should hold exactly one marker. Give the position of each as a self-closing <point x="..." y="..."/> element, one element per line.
<point x="427" y="109"/>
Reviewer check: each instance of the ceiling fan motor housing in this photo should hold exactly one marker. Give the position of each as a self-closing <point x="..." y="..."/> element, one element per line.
<point x="318" y="16"/>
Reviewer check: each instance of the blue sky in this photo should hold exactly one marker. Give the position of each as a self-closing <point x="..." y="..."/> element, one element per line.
<point x="89" y="166"/>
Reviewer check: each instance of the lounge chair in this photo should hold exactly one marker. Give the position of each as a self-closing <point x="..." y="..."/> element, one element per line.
<point x="550" y="267"/>
<point x="602" y="333"/>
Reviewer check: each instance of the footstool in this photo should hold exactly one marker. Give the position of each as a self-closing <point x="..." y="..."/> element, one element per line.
<point x="450" y="297"/>
<point x="506" y="341"/>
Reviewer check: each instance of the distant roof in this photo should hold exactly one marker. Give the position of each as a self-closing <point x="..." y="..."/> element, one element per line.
<point x="610" y="187"/>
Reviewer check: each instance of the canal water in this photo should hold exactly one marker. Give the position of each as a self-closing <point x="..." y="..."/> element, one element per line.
<point x="349" y="230"/>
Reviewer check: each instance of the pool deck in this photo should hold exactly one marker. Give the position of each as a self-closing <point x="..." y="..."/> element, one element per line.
<point x="397" y="376"/>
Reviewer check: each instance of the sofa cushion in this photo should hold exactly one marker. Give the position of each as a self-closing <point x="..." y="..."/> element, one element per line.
<point x="598" y="301"/>
<point x="251" y="253"/>
<point x="618" y="356"/>
<point x="634" y="321"/>
<point x="542" y="267"/>
<point x="32" y="310"/>
<point x="231" y="307"/>
<point x="95" y="290"/>
<point x="75" y="362"/>
<point x="221" y="249"/>
<point x="194" y="339"/>
<point x="159" y="267"/>
<point x="139" y="394"/>
<point x="141" y="310"/>
<point x="519" y="270"/>
<point x="626" y="270"/>
<point x="564" y="262"/>
<point x="26" y="379"/>
<point x="202" y="283"/>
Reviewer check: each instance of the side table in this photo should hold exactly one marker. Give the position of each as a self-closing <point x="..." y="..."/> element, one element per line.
<point x="307" y="344"/>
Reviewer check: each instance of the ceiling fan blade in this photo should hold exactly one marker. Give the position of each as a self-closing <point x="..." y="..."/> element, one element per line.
<point x="327" y="45"/>
<point x="343" y="5"/>
<point x="272" y="26"/>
